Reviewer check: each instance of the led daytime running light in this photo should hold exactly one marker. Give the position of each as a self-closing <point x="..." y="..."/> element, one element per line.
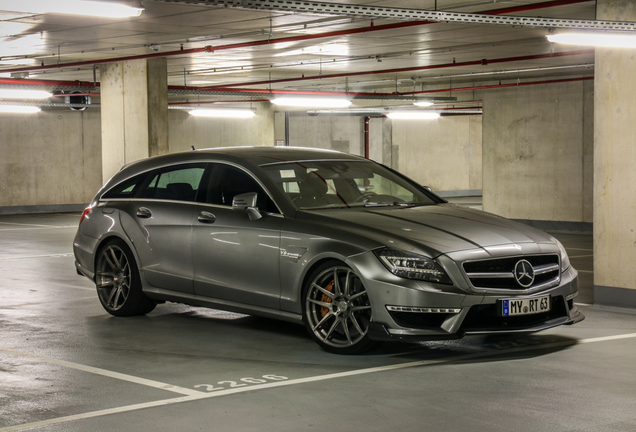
<point x="422" y="309"/>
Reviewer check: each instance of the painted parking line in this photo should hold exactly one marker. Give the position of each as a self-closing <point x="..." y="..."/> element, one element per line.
<point x="36" y="228"/>
<point x="36" y="256"/>
<point x="37" y="225"/>
<point x="104" y="372"/>
<point x="13" y="306"/>
<point x="195" y="395"/>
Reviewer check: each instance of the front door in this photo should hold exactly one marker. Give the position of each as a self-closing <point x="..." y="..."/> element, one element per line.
<point x="235" y="258"/>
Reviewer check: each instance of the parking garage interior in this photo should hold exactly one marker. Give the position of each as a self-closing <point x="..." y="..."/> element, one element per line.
<point x="526" y="129"/>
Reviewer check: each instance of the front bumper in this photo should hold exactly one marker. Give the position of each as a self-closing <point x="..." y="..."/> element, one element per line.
<point x="431" y="312"/>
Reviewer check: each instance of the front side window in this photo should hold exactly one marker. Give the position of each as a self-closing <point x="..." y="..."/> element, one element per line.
<point x="227" y="181"/>
<point x="332" y="184"/>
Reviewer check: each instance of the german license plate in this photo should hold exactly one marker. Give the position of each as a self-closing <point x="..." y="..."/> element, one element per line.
<point x="526" y="306"/>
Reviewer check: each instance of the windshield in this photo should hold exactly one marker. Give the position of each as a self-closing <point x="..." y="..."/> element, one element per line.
<point x="332" y="184"/>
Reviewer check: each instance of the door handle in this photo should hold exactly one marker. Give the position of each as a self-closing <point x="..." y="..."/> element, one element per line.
<point x="144" y="213"/>
<point x="206" y="217"/>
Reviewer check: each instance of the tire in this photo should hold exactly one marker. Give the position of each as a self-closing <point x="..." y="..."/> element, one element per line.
<point x="118" y="282"/>
<point x="337" y="309"/>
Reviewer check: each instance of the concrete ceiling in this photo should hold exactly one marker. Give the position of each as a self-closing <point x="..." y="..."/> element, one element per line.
<point x="387" y="60"/>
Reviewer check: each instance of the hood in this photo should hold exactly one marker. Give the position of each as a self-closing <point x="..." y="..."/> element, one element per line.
<point x="437" y="229"/>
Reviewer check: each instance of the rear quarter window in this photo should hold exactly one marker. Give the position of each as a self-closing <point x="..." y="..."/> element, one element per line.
<point x="127" y="188"/>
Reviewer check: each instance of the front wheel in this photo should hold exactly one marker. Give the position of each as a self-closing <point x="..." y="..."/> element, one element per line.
<point x="337" y="310"/>
<point x="118" y="282"/>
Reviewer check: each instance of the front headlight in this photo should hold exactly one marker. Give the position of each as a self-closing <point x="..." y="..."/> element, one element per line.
<point x="412" y="266"/>
<point x="565" y="260"/>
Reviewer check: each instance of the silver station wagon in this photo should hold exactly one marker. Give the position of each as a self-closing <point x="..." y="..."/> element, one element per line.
<point x="356" y="251"/>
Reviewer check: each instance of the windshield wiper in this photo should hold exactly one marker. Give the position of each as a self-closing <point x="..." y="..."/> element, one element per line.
<point x="388" y="204"/>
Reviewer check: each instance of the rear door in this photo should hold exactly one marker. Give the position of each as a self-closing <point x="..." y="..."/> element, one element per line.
<point x="159" y="223"/>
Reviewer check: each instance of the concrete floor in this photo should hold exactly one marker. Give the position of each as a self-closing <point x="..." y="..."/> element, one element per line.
<point x="66" y="365"/>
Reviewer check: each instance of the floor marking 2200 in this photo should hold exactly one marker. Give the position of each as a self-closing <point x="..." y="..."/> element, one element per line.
<point x="245" y="381"/>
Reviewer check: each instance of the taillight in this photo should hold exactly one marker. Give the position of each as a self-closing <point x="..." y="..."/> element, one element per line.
<point x="86" y="210"/>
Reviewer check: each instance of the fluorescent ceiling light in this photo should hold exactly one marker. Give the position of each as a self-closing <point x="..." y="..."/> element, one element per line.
<point x="18" y="61"/>
<point x="73" y="7"/>
<point x="423" y="103"/>
<point x="227" y="113"/>
<point x="21" y="45"/>
<point x="413" y="115"/>
<point x="24" y="94"/>
<point x="22" y="109"/>
<point x="316" y="102"/>
<point x="619" y="40"/>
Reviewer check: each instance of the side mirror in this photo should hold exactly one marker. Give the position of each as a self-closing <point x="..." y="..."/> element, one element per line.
<point x="247" y="203"/>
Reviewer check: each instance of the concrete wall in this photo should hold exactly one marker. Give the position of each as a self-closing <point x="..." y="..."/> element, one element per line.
<point x="335" y="133"/>
<point x="538" y="152"/>
<point x="54" y="158"/>
<point x="50" y="158"/>
<point x="445" y="154"/>
<point x="185" y="130"/>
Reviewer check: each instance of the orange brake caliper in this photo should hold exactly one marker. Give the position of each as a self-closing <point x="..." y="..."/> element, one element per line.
<point x="326" y="299"/>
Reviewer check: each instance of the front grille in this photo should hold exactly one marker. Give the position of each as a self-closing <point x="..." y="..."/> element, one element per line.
<point x="486" y="318"/>
<point x="498" y="273"/>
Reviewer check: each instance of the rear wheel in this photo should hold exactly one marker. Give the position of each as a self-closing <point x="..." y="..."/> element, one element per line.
<point x="337" y="310"/>
<point x="118" y="282"/>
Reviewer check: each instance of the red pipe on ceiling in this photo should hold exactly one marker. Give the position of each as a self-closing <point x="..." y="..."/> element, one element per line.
<point x="367" y="139"/>
<point x="310" y="93"/>
<point x="498" y="86"/>
<point x="217" y="102"/>
<point x="48" y="82"/>
<point x="409" y="69"/>
<point x="210" y="49"/>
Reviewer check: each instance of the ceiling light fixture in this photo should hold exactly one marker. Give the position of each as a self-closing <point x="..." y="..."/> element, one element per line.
<point x="312" y="102"/>
<point x="618" y="40"/>
<point x="73" y="7"/>
<point x="423" y="103"/>
<point x="226" y="113"/>
<point x="24" y="94"/>
<point x="19" y="109"/>
<point x="413" y="115"/>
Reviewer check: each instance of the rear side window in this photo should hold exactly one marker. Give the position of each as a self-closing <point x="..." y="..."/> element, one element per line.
<point x="176" y="183"/>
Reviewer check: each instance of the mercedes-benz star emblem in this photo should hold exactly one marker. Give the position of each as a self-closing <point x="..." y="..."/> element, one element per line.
<point x="524" y="273"/>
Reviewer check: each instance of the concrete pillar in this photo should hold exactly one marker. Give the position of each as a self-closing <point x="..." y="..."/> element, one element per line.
<point x="535" y="153"/>
<point x="134" y="100"/>
<point x="615" y="166"/>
